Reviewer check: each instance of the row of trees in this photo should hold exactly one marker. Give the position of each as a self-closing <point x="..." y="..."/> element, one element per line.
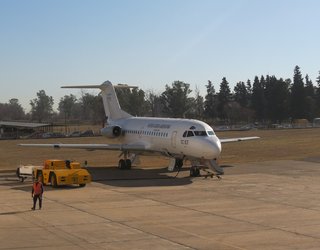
<point x="265" y="99"/>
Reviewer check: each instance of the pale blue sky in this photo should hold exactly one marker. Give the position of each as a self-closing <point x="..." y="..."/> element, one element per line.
<point x="45" y="44"/>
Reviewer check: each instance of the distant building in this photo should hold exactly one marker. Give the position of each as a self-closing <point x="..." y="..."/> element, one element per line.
<point x="300" y="123"/>
<point x="14" y="130"/>
<point x="316" y="122"/>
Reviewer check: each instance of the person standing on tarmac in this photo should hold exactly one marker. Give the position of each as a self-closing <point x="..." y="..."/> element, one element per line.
<point x="37" y="191"/>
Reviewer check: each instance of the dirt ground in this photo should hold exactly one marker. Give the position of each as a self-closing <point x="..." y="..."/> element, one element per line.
<point x="294" y="144"/>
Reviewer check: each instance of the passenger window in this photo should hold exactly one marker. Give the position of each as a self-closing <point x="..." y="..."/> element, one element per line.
<point x="185" y="133"/>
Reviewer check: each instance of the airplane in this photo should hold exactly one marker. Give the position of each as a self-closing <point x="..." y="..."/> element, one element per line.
<point x="179" y="139"/>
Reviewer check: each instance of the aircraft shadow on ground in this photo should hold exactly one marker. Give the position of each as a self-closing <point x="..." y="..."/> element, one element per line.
<point x="146" y="177"/>
<point x="227" y="166"/>
<point x="137" y="177"/>
<point x="113" y="176"/>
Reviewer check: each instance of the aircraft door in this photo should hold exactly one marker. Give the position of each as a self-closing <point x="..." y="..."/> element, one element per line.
<point x="174" y="139"/>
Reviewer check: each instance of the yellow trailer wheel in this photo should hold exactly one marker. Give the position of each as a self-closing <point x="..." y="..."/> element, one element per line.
<point x="53" y="180"/>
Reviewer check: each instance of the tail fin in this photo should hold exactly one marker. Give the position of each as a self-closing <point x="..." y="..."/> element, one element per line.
<point x="111" y="104"/>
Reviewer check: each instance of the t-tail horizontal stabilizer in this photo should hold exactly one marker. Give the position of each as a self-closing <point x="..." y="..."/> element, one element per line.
<point x="110" y="100"/>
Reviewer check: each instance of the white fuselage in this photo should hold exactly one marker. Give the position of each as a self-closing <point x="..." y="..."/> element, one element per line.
<point x="177" y="137"/>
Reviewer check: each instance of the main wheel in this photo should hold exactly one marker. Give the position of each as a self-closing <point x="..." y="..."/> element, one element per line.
<point x="122" y="164"/>
<point x="179" y="163"/>
<point x="192" y="172"/>
<point x="197" y="172"/>
<point x="128" y="164"/>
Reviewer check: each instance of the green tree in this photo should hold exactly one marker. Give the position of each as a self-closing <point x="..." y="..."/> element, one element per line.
<point x="258" y="98"/>
<point x="154" y="103"/>
<point x="138" y="104"/>
<point x="41" y="107"/>
<point x="241" y="94"/>
<point x="310" y="99"/>
<point x="249" y="91"/>
<point x="133" y="101"/>
<point x="317" y="97"/>
<point x="309" y="88"/>
<point x="298" y="96"/>
<point x="92" y="108"/>
<point x="175" y="99"/>
<point x="237" y="113"/>
<point x="277" y="99"/>
<point x="65" y="108"/>
<point x="87" y="103"/>
<point x="210" y="102"/>
<point x="66" y="105"/>
<point x="123" y="95"/>
<point x="198" y="105"/>
<point x="276" y="94"/>
<point x="224" y="97"/>
<point x="99" y="116"/>
<point x="15" y="109"/>
<point x="249" y="87"/>
<point x="12" y="110"/>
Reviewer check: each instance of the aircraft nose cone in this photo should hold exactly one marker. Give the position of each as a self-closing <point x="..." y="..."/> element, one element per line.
<point x="212" y="149"/>
<point x="217" y="147"/>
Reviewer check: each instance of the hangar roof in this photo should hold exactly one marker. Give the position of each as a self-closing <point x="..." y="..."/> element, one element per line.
<point x="24" y="124"/>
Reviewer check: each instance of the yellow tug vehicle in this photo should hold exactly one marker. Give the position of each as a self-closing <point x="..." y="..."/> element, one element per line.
<point x="62" y="172"/>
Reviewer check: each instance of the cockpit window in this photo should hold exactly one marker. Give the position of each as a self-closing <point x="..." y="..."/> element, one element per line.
<point x="210" y="132"/>
<point x="190" y="133"/>
<point x="200" y="133"/>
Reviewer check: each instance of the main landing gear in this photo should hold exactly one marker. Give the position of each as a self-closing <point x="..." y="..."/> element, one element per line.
<point x="124" y="164"/>
<point x="178" y="164"/>
<point x="194" y="171"/>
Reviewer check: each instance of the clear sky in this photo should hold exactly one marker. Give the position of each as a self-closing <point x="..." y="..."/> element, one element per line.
<point x="45" y="44"/>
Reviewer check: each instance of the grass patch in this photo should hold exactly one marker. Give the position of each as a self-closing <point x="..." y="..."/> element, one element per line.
<point x="293" y="144"/>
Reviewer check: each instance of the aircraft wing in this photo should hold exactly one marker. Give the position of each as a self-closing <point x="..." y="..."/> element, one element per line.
<point x="120" y="147"/>
<point x="238" y="139"/>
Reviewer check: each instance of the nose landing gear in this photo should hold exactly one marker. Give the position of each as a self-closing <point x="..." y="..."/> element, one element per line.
<point x="206" y="166"/>
<point x="195" y="172"/>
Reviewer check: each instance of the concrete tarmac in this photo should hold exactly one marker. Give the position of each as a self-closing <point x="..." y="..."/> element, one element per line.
<point x="265" y="205"/>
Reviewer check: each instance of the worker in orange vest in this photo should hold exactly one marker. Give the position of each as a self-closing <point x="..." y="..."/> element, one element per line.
<point x="37" y="191"/>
